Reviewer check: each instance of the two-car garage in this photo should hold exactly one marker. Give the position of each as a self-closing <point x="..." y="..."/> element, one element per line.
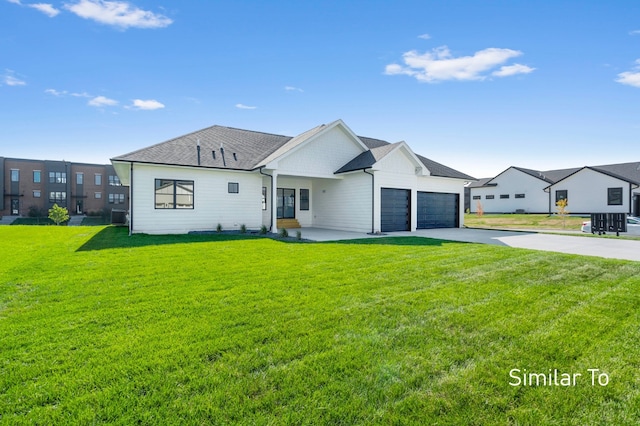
<point x="434" y="210"/>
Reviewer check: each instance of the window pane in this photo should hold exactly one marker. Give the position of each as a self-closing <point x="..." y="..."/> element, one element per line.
<point x="234" y="188"/>
<point x="184" y="194"/>
<point x="98" y="179"/>
<point x="614" y="196"/>
<point x="304" y="199"/>
<point x="79" y="178"/>
<point x="164" y="194"/>
<point x="264" y="198"/>
<point x="36" y="176"/>
<point x="15" y="175"/>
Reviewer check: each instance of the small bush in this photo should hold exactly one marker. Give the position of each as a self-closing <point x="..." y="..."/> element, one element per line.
<point x="298" y="235"/>
<point x="243" y="229"/>
<point x="263" y="230"/>
<point x="219" y="228"/>
<point x="283" y="233"/>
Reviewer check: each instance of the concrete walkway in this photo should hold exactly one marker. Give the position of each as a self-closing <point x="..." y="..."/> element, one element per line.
<point x="7" y="220"/>
<point x="602" y="247"/>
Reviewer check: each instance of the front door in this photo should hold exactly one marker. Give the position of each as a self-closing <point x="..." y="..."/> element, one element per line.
<point x="15" y="206"/>
<point x="286" y="203"/>
<point x="79" y="207"/>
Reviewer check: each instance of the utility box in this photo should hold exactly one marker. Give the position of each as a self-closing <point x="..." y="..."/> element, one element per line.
<point x="118" y="217"/>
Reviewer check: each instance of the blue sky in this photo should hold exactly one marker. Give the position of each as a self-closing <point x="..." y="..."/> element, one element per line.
<point x="476" y="85"/>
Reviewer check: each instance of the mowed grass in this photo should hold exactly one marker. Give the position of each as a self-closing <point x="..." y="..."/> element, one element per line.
<point x="524" y="221"/>
<point x="99" y="327"/>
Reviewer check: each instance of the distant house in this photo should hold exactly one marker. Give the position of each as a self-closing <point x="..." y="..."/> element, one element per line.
<point x="326" y="177"/>
<point x="612" y="188"/>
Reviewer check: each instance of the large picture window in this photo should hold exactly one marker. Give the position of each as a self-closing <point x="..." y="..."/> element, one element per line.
<point x="614" y="196"/>
<point x="174" y="194"/>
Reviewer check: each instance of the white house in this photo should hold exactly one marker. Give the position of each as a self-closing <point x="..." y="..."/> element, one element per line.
<point x="326" y="177"/>
<point x="610" y="188"/>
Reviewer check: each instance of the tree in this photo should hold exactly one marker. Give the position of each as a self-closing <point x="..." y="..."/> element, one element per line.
<point x="479" y="209"/>
<point x="563" y="212"/>
<point x="58" y="214"/>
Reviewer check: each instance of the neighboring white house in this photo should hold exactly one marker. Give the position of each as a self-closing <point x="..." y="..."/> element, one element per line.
<point x="610" y="188"/>
<point x="326" y="177"/>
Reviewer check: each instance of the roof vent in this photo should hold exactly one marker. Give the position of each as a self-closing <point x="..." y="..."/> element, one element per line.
<point x="235" y="157"/>
<point x="213" y="152"/>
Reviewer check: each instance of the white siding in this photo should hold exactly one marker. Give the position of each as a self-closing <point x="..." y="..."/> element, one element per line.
<point x="212" y="202"/>
<point x="321" y="156"/>
<point x="343" y="204"/>
<point x="304" y="216"/>
<point x="512" y="182"/>
<point x="587" y="193"/>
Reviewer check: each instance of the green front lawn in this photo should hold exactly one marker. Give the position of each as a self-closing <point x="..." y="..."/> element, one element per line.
<point x="99" y="327"/>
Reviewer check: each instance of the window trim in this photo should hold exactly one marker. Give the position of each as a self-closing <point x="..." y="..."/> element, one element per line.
<point x="619" y="197"/>
<point x="304" y="203"/>
<point x="174" y="183"/>
<point x="562" y="194"/>
<point x="264" y="198"/>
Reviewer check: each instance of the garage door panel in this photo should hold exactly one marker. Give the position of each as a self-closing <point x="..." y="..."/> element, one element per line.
<point x="437" y="210"/>
<point x="394" y="209"/>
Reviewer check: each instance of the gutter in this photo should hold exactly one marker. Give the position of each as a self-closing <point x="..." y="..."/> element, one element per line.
<point x="272" y="201"/>
<point x="131" y="199"/>
<point x="373" y="191"/>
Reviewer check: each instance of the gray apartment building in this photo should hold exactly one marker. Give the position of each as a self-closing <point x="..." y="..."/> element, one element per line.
<point x="80" y="187"/>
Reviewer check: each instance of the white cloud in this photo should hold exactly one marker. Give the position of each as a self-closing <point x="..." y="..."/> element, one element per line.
<point x="630" y="78"/>
<point x="634" y="32"/>
<point x="440" y="65"/>
<point x="11" y="80"/>
<point x="147" y="105"/>
<point x="118" y="13"/>
<point x="55" y="92"/>
<point x="424" y="36"/>
<point x="242" y="106"/>
<point x="101" y="101"/>
<point x="45" y="8"/>
<point x="507" y="70"/>
<point x="293" y="89"/>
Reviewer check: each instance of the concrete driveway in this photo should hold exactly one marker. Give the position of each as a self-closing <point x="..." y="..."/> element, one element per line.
<point x="601" y="247"/>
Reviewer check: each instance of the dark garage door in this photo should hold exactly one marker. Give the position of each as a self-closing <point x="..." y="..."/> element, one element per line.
<point x="437" y="210"/>
<point x="394" y="209"/>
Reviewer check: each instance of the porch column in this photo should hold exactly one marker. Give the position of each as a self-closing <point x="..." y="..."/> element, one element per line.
<point x="274" y="204"/>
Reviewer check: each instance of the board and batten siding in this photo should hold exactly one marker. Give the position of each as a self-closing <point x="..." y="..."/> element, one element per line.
<point x="322" y="156"/>
<point x="213" y="204"/>
<point x="587" y="192"/>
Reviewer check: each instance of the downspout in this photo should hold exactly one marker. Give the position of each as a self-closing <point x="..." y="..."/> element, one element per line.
<point x="271" y="215"/>
<point x="373" y="193"/>
<point x="131" y="199"/>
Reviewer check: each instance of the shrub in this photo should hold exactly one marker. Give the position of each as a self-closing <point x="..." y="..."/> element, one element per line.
<point x="219" y="228"/>
<point x="243" y="229"/>
<point x="263" y="230"/>
<point x="283" y="233"/>
<point x="298" y="235"/>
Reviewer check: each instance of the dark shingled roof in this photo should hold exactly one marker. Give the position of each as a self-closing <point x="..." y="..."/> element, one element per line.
<point x="252" y="148"/>
<point x="625" y="171"/>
